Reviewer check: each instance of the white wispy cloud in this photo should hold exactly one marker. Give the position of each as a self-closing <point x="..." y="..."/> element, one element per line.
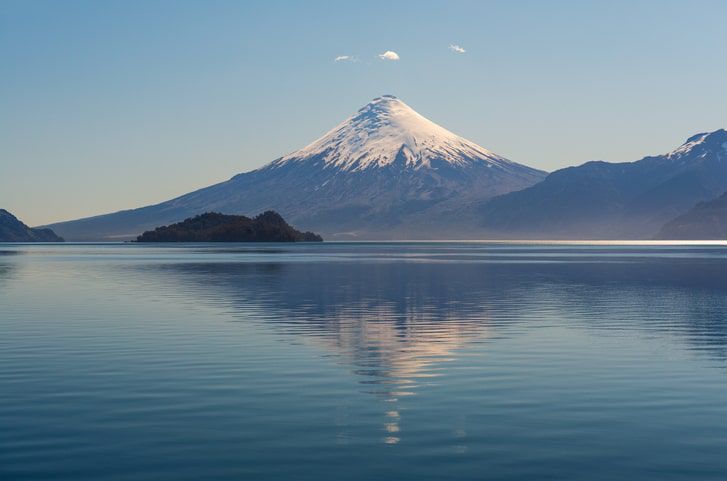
<point x="345" y="58"/>
<point x="389" y="55"/>
<point x="456" y="49"/>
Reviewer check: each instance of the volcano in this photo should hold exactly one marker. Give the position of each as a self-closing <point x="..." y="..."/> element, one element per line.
<point x="386" y="172"/>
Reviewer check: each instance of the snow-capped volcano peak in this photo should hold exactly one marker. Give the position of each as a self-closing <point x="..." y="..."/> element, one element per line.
<point x="387" y="130"/>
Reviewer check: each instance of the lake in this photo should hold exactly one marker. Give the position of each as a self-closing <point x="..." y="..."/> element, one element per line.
<point x="501" y="361"/>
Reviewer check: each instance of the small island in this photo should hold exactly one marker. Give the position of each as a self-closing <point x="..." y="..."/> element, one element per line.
<point x="14" y="230"/>
<point x="215" y="227"/>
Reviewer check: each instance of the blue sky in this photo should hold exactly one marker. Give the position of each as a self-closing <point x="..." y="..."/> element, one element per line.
<point x="113" y="105"/>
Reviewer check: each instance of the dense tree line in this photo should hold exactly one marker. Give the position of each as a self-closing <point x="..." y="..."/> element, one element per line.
<point x="215" y="227"/>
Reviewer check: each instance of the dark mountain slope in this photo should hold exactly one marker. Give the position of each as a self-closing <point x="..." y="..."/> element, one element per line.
<point x="706" y="220"/>
<point x="13" y="230"/>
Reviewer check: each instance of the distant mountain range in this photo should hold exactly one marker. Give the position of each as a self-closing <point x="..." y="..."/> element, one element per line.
<point x="601" y="200"/>
<point x="215" y="227"/>
<point x="385" y="172"/>
<point x="13" y="230"/>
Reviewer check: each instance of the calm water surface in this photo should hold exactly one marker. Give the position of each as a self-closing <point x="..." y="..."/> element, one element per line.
<point x="363" y="361"/>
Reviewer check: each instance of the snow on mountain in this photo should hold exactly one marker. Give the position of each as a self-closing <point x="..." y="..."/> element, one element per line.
<point x="385" y="129"/>
<point x="701" y="144"/>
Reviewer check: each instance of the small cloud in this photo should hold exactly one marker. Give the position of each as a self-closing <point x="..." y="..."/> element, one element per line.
<point x="345" y="58"/>
<point x="457" y="49"/>
<point x="389" y="55"/>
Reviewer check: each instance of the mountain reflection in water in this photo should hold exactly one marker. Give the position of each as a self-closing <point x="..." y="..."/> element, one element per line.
<point x="412" y="361"/>
<point x="396" y="323"/>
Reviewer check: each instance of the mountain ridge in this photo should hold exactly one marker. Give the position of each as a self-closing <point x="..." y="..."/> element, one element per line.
<point x="605" y="200"/>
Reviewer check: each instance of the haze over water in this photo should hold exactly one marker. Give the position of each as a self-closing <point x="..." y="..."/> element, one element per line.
<point x="359" y="361"/>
